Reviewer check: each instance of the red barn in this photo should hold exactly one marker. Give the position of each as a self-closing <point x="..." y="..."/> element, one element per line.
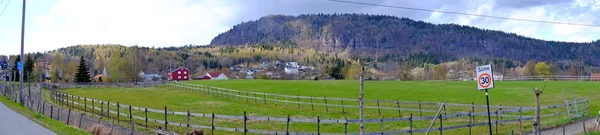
<point x="180" y="74"/>
<point x="595" y="76"/>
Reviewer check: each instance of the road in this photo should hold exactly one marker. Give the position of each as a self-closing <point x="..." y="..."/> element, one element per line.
<point x="13" y="123"/>
<point x="571" y="129"/>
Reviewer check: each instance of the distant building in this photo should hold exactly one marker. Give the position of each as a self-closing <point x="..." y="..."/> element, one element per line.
<point x="249" y="74"/>
<point x="595" y="76"/>
<point x="100" y="78"/>
<point x="149" y="76"/>
<point x="290" y="70"/>
<point x="212" y="76"/>
<point x="180" y="74"/>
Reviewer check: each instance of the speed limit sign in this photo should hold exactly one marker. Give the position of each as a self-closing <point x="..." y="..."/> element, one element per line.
<point x="485" y="77"/>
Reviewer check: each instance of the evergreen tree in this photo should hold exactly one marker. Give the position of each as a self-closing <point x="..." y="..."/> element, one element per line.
<point x="28" y="68"/>
<point x="15" y="73"/>
<point x="83" y="74"/>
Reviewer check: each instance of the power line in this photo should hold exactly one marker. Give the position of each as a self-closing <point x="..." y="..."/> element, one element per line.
<point x="468" y="14"/>
<point x="4" y="7"/>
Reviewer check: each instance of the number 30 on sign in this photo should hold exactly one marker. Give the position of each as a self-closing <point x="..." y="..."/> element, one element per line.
<point x="485" y="79"/>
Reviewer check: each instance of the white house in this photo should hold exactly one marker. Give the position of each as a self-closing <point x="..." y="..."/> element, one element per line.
<point x="291" y="70"/>
<point x="212" y="76"/>
<point x="149" y="76"/>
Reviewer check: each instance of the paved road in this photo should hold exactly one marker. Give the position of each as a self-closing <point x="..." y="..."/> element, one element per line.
<point x="571" y="129"/>
<point x="13" y="123"/>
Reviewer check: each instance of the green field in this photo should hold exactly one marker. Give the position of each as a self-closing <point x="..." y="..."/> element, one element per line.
<point x="505" y="93"/>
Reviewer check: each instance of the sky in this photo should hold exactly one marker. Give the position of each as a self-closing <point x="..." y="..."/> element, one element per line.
<point x="51" y="24"/>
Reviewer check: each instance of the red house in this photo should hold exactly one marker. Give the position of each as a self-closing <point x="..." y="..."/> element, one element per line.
<point x="180" y="74"/>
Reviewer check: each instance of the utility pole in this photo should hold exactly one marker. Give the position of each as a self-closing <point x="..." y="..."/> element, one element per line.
<point x="360" y="98"/>
<point x="536" y="120"/>
<point x="22" y="57"/>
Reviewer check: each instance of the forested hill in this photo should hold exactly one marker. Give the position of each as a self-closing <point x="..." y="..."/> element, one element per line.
<point x="395" y="39"/>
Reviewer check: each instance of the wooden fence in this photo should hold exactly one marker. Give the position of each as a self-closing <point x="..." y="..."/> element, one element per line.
<point x="75" y="102"/>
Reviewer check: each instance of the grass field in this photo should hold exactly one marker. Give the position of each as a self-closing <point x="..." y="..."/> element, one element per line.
<point x="505" y="93"/>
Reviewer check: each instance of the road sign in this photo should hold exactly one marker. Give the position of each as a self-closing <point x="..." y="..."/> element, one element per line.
<point x="19" y="66"/>
<point x="485" y="77"/>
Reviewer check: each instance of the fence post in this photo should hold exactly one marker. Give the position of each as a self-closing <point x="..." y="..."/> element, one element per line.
<point x="265" y="97"/>
<point x="118" y="113"/>
<point x="470" y="122"/>
<point x="255" y="99"/>
<point x="473" y="109"/>
<point x="93" y="108"/>
<point x="326" y="107"/>
<point x="584" y="131"/>
<point x="85" y="104"/>
<point x="343" y="111"/>
<point x="245" y="119"/>
<point x="441" y="127"/>
<point x="80" y="119"/>
<point x="420" y="112"/>
<point x="318" y="125"/>
<point x="520" y="120"/>
<point x="58" y="116"/>
<point x="411" y="124"/>
<point x="496" y="121"/>
<point x="240" y="95"/>
<point x="107" y="109"/>
<point x="345" y="126"/>
<point x="146" y="116"/>
<point x="166" y="122"/>
<point x="378" y="108"/>
<point x="131" y="121"/>
<point x="298" y="98"/>
<point x="287" y="125"/>
<point x="187" y="122"/>
<point x="102" y="110"/>
<point x="382" y="126"/>
<point x="51" y="111"/>
<point x="69" y="116"/>
<point x="212" y="123"/>
<point x="568" y="109"/>
<point x="576" y="108"/>
<point x="312" y="105"/>
<point x="399" y="112"/>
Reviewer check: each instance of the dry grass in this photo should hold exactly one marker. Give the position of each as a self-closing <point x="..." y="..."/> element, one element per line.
<point x="98" y="129"/>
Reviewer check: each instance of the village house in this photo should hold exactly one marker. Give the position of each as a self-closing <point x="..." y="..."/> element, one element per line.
<point x="212" y="76"/>
<point x="179" y="74"/>
<point x="149" y="76"/>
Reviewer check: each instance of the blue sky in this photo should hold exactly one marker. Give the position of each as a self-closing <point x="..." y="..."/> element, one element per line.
<point x="52" y="24"/>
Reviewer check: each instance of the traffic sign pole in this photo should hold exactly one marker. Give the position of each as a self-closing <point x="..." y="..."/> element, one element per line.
<point x="487" y="99"/>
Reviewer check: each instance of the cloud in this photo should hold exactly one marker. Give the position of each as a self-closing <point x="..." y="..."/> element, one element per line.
<point x="144" y="22"/>
<point x="178" y="22"/>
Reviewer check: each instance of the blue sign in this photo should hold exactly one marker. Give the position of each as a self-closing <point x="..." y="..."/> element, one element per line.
<point x="3" y="65"/>
<point x="19" y="66"/>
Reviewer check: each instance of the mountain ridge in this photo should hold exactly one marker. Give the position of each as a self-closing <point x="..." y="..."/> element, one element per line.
<point x="393" y="38"/>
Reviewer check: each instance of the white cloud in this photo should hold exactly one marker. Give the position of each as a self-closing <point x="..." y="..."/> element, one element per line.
<point x="178" y="22"/>
<point x="144" y="22"/>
